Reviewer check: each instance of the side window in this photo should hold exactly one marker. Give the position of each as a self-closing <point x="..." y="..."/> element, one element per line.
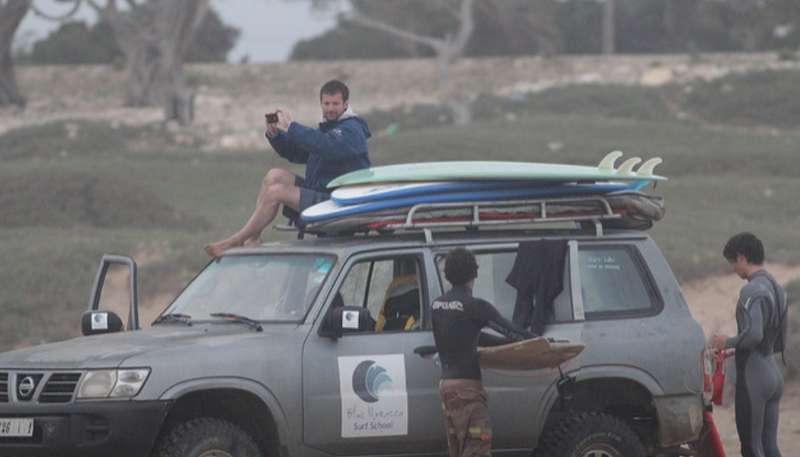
<point x="491" y="285"/>
<point x="612" y="282"/>
<point x="389" y="289"/>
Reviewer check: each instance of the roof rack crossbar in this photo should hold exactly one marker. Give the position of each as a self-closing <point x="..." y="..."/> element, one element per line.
<point x="604" y="212"/>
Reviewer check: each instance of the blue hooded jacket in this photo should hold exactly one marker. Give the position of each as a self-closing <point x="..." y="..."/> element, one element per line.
<point x="336" y="148"/>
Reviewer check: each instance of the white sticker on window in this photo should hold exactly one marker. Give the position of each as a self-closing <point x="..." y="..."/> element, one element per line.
<point x="374" y="397"/>
<point x="350" y="319"/>
<point x="99" y="321"/>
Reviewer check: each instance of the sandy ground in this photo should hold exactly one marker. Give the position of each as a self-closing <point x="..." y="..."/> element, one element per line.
<point x="713" y="303"/>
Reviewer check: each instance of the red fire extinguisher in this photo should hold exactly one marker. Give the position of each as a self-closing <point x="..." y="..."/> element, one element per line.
<point x="711" y="444"/>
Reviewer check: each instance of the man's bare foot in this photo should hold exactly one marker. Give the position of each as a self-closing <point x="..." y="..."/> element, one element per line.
<point x="218" y="247"/>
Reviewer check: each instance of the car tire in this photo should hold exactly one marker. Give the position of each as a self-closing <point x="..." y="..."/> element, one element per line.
<point x="590" y="435"/>
<point x="207" y="437"/>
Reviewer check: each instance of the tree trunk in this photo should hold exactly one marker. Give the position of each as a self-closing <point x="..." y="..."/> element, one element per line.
<point x="142" y="67"/>
<point x="179" y="24"/>
<point x="460" y="106"/>
<point x="11" y="14"/>
<point x="155" y="41"/>
<point x="609" y="27"/>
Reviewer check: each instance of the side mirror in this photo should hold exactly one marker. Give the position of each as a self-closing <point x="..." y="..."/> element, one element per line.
<point x="347" y="319"/>
<point x="133" y="288"/>
<point x="100" y="322"/>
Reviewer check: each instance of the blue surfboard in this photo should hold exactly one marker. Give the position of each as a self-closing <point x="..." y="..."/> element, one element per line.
<point x="328" y="210"/>
<point x="355" y="195"/>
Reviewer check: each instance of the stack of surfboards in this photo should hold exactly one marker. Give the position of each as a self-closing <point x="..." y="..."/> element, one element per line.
<point x="378" y="197"/>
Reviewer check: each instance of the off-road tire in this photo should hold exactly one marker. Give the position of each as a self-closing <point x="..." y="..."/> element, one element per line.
<point x="207" y="437"/>
<point x="589" y="435"/>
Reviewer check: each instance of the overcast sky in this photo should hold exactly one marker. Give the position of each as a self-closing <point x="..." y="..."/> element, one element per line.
<point x="269" y="27"/>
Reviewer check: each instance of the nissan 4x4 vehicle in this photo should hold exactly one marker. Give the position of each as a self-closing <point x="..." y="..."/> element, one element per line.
<point x="321" y="347"/>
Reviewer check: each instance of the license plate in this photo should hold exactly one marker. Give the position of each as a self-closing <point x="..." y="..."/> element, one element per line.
<point x="16" y="428"/>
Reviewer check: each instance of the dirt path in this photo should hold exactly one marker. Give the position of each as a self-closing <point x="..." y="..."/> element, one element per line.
<point x="713" y="303"/>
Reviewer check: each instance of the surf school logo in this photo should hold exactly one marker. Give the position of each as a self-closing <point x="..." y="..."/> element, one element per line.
<point x="369" y="380"/>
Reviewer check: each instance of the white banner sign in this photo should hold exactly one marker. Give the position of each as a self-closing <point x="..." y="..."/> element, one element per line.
<point x="374" y="397"/>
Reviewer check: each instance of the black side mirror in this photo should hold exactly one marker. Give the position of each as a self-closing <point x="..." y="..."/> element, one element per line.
<point x="100" y="322"/>
<point x="347" y="319"/>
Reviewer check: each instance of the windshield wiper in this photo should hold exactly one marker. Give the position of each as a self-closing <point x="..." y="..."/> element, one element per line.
<point x="174" y="317"/>
<point x="255" y="325"/>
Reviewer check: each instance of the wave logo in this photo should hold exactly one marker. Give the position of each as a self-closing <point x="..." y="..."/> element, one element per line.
<point x="369" y="380"/>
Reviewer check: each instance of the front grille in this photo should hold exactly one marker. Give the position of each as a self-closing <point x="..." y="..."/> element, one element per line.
<point x="59" y="388"/>
<point x="3" y="387"/>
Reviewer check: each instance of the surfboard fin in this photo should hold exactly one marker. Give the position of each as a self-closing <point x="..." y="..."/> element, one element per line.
<point x="609" y="160"/>
<point x="647" y="168"/>
<point x="626" y="169"/>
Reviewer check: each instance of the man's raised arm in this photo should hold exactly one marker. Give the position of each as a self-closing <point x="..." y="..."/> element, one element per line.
<point x="344" y="142"/>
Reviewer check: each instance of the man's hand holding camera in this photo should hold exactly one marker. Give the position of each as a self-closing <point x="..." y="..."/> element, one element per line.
<point x="279" y="120"/>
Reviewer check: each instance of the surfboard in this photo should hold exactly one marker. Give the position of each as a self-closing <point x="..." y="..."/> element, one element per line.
<point x="532" y="354"/>
<point x="354" y="195"/>
<point x="507" y="171"/>
<point x="331" y="210"/>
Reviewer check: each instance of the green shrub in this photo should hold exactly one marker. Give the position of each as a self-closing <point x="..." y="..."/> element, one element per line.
<point x="763" y="98"/>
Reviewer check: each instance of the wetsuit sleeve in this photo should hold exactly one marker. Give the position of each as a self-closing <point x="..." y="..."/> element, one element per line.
<point x="492" y="318"/>
<point x="751" y="325"/>
<point x="287" y="149"/>
<point x="344" y="142"/>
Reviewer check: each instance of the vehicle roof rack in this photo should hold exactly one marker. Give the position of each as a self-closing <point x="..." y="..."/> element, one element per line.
<point x="516" y="212"/>
<point x="472" y="215"/>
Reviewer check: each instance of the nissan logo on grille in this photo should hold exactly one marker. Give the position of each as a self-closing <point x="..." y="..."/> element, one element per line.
<point x="26" y="387"/>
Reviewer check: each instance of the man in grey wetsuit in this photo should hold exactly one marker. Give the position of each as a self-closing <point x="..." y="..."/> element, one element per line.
<point x="762" y="329"/>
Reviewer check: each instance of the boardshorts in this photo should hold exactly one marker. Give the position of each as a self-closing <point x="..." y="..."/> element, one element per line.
<point x="466" y="418"/>
<point x="308" y="197"/>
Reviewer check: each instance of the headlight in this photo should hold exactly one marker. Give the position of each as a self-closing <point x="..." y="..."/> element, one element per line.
<point x="112" y="383"/>
<point x="129" y="383"/>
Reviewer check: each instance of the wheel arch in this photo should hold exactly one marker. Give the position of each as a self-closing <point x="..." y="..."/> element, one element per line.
<point x="627" y="393"/>
<point x="245" y="403"/>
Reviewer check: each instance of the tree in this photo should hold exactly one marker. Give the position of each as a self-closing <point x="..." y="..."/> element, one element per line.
<point x="154" y="36"/>
<point x="213" y="40"/>
<point x="78" y="43"/>
<point x="502" y="27"/>
<point x="11" y="14"/>
<point x="448" y="48"/>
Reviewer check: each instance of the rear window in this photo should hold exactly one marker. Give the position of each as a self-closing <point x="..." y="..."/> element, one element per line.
<point x="613" y="282"/>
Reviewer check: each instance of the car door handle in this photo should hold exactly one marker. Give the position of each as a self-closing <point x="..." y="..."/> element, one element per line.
<point x="425" y="351"/>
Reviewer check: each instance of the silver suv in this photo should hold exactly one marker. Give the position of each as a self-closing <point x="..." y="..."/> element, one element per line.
<point x="320" y="347"/>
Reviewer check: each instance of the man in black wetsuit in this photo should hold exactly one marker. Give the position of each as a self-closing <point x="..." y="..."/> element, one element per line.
<point x="458" y="318"/>
<point x="762" y="330"/>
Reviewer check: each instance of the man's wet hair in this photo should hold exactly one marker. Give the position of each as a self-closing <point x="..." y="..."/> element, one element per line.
<point x="334" y="87"/>
<point x="460" y="267"/>
<point x="745" y="244"/>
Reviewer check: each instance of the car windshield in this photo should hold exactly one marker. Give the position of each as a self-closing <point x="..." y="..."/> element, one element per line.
<point x="277" y="288"/>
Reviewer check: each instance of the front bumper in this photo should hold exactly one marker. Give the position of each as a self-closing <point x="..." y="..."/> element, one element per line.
<point x="87" y="429"/>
